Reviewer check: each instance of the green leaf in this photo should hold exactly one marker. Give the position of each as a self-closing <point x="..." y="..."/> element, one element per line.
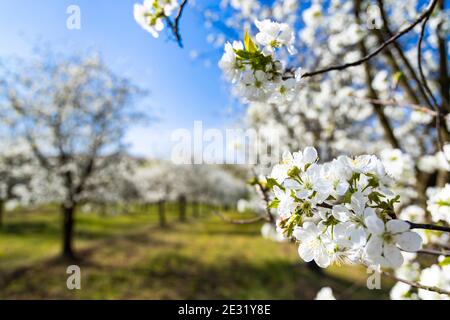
<point x="274" y="204"/>
<point x="253" y="181"/>
<point x="347" y="198"/>
<point x="445" y="262"/>
<point x="272" y="182"/>
<point x="375" y="196"/>
<point x="250" y="46"/>
<point x="397" y="76"/>
<point x="443" y="203"/>
<point x="293" y="172"/>
<point x="244" y="54"/>
<point x="394" y="200"/>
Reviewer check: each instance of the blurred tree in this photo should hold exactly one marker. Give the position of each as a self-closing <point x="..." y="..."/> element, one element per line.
<point x="16" y="173"/>
<point x="73" y="112"/>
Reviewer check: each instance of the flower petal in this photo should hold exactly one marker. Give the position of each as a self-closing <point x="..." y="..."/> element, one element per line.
<point x="309" y="155"/>
<point x="305" y="253"/>
<point x="374" y="224"/>
<point x="374" y="247"/>
<point x="397" y="226"/>
<point x="393" y="256"/>
<point x="322" y="259"/>
<point x="340" y="212"/>
<point x="409" y="241"/>
<point x="278" y="192"/>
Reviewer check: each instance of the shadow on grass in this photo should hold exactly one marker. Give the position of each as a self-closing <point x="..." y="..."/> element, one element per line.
<point x="240" y="279"/>
<point x="222" y="228"/>
<point x="181" y="262"/>
<point x="30" y="228"/>
<point x="173" y="275"/>
<point x="53" y="230"/>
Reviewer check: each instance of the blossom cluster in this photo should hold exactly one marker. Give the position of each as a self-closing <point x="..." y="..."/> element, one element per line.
<point x="151" y="13"/>
<point x="436" y="275"/>
<point x="434" y="162"/>
<point x="341" y="211"/>
<point x="438" y="203"/>
<point x="254" y="67"/>
<point x="325" y="293"/>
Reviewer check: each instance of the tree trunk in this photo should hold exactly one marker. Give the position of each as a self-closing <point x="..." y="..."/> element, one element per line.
<point x="372" y="94"/>
<point x="2" y="206"/>
<point x="161" y="213"/>
<point x="68" y="226"/>
<point x="182" y="208"/>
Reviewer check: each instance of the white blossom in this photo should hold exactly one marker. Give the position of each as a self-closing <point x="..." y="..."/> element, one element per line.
<point x="314" y="244"/>
<point x="145" y="17"/>
<point x="387" y="240"/>
<point x="413" y="213"/>
<point x="438" y="203"/>
<point x="339" y="212"/>
<point x="229" y="63"/>
<point x="326" y="293"/>
<point x="435" y="276"/>
<point x="273" y="35"/>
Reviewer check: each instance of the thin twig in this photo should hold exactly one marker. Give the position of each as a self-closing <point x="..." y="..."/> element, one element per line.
<point x="402" y="56"/>
<point x="265" y="197"/>
<point x="423" y="16"/>
<point x="372" y="93"/>
<point x="175" y="25"/>
<point x="325" y="205"/>
<point x="416" y="284"/>
<point x="424" y="80"/>
<point x="412" y="225"/>
<point x="430" y="252"/>
<point x="419" y="63"/>
<point x="434" y="252"/>
<point x="427" y="226"/>
<point x="241" y="221"/>
<point x="405" y="104"/>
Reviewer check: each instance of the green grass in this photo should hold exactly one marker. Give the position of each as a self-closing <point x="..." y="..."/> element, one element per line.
<point x="128" y="256"/>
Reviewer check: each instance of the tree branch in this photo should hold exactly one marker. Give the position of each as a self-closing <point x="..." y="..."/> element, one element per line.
<point x="393" y="102"/>
<point x="265" y="197"/>
<point x="384" y="121"/>
<point x="427" y="226"/>
<point x="175" y="25"/>
<point x="424" y="80"/>
<point x="444" y="78"/>
<point x="430" y="252"/>
<point x="412" y="225"/>
<point x="419" y="63"/>
<point x="403" y="58"/>
<point x="434" y="252"/>
<point x="416" y="284"/>
<point x="367" y="57"/>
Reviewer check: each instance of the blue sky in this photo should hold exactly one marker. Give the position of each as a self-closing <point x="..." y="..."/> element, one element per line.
<point x="181" y="90"/>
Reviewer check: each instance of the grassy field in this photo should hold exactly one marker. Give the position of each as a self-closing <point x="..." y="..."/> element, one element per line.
<point x="129" y="257"/>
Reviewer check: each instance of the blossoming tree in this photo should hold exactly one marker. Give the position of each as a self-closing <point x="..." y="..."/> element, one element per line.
<point x="161" y="180"/>
<point x="16" y="174"/>
<point x="367" y="83"/>
<point x="72" y="112"/>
